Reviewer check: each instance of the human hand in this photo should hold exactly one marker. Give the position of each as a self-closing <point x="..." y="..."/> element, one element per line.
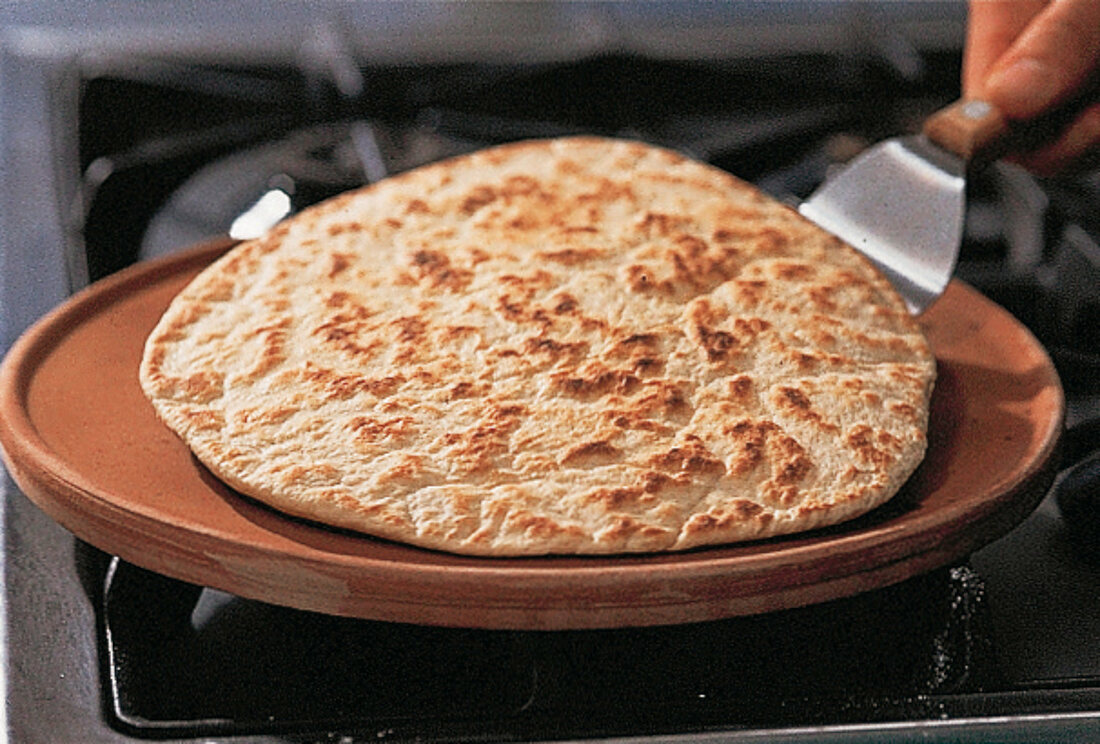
<point x="1028" y="56"/>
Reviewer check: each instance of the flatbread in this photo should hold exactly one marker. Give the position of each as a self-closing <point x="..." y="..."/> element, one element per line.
<point x="574" y="346"/>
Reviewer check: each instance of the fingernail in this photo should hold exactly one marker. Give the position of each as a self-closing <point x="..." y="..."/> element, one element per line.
<point x="1022" y="89"/>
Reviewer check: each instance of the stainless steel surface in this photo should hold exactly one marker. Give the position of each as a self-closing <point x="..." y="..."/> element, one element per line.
<point x="902" y="204"/>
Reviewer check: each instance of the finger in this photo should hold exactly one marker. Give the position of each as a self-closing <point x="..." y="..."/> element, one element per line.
<point x="1069" y="150"/>
<point x="992" y="27"/>
<point x="1051" y="58"/>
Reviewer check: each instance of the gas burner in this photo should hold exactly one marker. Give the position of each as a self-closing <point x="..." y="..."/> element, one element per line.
<point x="309" y="165"/>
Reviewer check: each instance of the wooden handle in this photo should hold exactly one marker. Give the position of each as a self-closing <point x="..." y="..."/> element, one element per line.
<point x="970" y="128"/>
<point x="977" y="132"/>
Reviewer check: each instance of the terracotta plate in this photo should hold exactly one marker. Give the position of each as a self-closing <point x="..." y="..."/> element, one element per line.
<point x="83" y="443"/>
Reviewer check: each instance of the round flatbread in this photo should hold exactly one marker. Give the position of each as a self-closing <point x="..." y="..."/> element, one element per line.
<point x="567" y="346"/>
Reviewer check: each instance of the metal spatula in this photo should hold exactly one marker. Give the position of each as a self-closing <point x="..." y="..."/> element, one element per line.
<point x="902" y="202"/>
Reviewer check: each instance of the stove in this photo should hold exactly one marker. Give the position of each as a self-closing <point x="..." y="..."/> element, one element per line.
<point x="131" y="131"/>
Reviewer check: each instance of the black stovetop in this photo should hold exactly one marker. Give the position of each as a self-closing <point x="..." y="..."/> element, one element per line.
<point x="1000" y="648"/>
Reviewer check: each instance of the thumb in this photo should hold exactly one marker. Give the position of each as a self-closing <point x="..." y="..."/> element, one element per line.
<point x="1052" y="57"/>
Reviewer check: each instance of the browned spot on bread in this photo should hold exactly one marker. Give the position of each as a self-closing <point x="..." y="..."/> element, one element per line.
<point x="623" y="527"/>
<point x="199" y="387"/>
<point x="791" y="271"/>
<point x="410" y="329"/>
<point x="218" y="290"/>
<point x="665" y="398"/>
<point x="591" y="452"/>
<point x="692" y="457"/>
<point x="371" y="429"/>
<point x="408" y="469"/>
<point x="737" y="512"/>
<point x="345" y="329"/>
<point x="647" y="365"/>
<point x="203" y="419"/>
<point x="475" y="448"/>
<point x="313" y="474"/>
<point x="821" y="296"/>
<point x="346" y="338"/>
<point x="477" y="198"/>
<point x="697" y="265"/>
<point x="539" y="526"/>
<point x="380" y="387"/>
<point x="465" y="389"/>
<point x="795" y="467"/>
<point x="686" y="267"/>
<point x="554" y="349"/>
<point x="805" y="361"/>
<point x="339" y="228"/>
<point x="650" y="342"/>
<point x="661" y="224"/>
<point x="341" y="298"/>
<point x="522" y="310"/>
<point x="797" y="404"/>
<point x="780" y="495"/>
<point x="750" y="326"/>
<point x="770" y="240"/>
<point x="523" y="186"/>
<point x="528" y="284"/>
<point x="608" y="191"/>
<point x="740" y="387"/>
<point x="435" y="270"/>
<point x="455" y="333"/>
<point x="744" y="509"/>
<point x="338" y="263"/>
<point x="902" y="409"/>
<point x="754" y="443"/>
<point x="524" y="222"/>
<point x="792" y="398"/>
<point x="642" y="351"/>
<point x="749" y="442"/>
<point x="634" y="419"/>
<point x="642" y="278"/>
<point x="734" y="234"/>
<point x="273" y="338"/>
<point x="655" y="482"/>
<point x="564" y="303"/>
<point x="570" y="256"/>
<point x="617" y="498"/>
<point x="264" y="415"/>
<point x="861" y="440"/>
<point x="595" y="379"/>
<point x="173" y="329"/>
<point x="343" y="386"/>
<point x="750" y="292"/>
<point x="886" y="439"/>
<point x="239" y="262"/>
<point x="717" y="344"/>
<point x="511" y="309"/>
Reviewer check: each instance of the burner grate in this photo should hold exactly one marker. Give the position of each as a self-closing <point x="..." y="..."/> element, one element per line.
<point x="183" y="661"/>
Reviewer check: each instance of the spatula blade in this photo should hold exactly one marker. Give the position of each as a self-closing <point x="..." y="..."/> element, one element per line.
<point x="902" y="204"/>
